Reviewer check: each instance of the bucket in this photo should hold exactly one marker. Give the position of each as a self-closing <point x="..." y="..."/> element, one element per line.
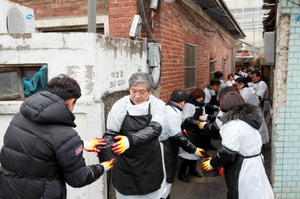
<point x="106" y="153"/>
<point x="211" y="173"/>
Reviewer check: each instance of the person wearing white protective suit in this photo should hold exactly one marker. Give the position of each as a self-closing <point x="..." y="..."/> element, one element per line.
<point x="250" y="96"/>
<point x="261" y="89"/>
<point x="135" y="122"/>
<point x="240" y="152"/>
<point x="172" y="137"/>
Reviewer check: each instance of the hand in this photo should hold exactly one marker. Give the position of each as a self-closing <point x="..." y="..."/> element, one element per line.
<point x="108" y="164"/>
<point x="203" y="117"/>
<point x="185" y="132"/>
<point x="121" y="146"/>
<point x="201" y="125"/>
<point x="91" y="145"/>
<point x="199" y="152"/>
<point x="206" y="165"/>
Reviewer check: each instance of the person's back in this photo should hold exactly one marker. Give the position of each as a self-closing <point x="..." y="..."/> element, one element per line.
<point x="240" y="135"/>
<point x="41" y="149"/>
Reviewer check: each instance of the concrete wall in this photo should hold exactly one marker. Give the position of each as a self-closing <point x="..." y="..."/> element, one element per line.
<point x="286" y="104"/>
<point x="100" y="64"/>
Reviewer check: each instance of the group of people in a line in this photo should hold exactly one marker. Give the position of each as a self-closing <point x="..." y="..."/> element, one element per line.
<point x="42" y="152"/>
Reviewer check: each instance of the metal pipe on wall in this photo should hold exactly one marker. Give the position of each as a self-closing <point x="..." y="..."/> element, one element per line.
<point x="92" y="9"/>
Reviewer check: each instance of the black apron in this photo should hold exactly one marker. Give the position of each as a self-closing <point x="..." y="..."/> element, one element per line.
<point x="194" y="133"/>
<point x="139" y="169"/>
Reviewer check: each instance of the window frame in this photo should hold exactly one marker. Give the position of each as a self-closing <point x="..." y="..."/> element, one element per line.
<point x="19" y="68"/>
<point x="189" y="64"/>
<point x="212" y="67"/>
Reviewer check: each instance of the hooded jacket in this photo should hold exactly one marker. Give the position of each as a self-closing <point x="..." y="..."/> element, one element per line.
<point x="240" y="154"/>
<point x="42" y="151"/>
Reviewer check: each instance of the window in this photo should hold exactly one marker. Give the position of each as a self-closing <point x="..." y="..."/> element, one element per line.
<point x="223" y="68"/>
<point x="15" y="77"/>
<point x="190" y="68"/>
<point x="212" y="67"/>
<point x="78" y="28"/>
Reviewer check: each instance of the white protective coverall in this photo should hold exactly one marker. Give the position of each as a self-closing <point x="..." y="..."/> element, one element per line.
<point x="250" y="96"/>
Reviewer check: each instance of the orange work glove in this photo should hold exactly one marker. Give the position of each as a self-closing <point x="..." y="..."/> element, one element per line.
<point x="199" y="152"/>
<point x="108" y="164"/>
<point x="90" y="145"/>
<point x="201" y="125"/>
<point x="121" y="146"/>
<point x="206" y="165"/>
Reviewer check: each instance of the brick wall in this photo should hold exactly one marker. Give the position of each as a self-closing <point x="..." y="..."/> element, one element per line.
<point x="286" y="152"/>
<point x="172" y="30"/>
<point x="121" y="15"/>
<point x="60" y="8"/>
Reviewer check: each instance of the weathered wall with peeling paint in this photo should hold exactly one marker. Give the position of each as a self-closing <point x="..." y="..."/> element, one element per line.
<point x="286" y="103"/>
<point x="101" y="65"/>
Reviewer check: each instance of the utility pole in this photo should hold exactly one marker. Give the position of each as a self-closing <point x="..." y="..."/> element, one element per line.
<point x="92" y="16"/>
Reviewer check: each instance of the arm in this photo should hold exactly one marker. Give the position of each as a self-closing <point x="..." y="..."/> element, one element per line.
<point x="211" y="127"/>
<point x="207" y="96"/>
<point x="73" y="166"/>
<point x="184" y="142"/>
<point x="223" y="156"/>
<point x="153" y="130"/>
<point x="261" y="90"/>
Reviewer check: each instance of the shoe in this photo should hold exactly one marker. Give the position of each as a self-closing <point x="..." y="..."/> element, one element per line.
<point x="183" y="177"/>
<point x="195" y="173"/>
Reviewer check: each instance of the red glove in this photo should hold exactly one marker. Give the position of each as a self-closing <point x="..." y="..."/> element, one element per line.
<point x="121" y="146"/>
<point x="185" y="132"/>
<point x="221" y="171"/>
<point x="91" y="145"/>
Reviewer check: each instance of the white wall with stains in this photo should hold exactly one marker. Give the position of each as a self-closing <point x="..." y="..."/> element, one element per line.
<point x="99" y="63"/>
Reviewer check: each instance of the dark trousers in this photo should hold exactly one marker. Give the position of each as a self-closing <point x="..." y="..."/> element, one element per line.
<point x="187" y="163"/>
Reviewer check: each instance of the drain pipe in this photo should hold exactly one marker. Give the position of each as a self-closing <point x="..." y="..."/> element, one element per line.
<point x="92" y="16"/>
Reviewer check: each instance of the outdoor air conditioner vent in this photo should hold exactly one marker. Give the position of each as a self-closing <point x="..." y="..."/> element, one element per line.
<point x="15" y="21"/>
<point x="15" y="18"/>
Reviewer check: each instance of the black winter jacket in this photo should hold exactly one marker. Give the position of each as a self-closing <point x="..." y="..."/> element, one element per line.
<point x="42" y="151"/>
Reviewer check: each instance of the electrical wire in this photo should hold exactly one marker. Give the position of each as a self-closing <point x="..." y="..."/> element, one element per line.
<point x="144" y="24"/>
<point x="202" y="27"/>
<point x="293" y="2"/>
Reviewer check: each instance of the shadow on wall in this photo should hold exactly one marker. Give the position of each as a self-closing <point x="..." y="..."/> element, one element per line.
<point x="109" y="99"/>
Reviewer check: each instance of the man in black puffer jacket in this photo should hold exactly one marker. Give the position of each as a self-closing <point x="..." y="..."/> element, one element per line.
<point x="42" y="151"/>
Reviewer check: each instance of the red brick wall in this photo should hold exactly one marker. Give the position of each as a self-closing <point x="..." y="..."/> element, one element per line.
<point x="60" y="8"/>
<point x="121" y="15"/>
<point x="172" y="30"/>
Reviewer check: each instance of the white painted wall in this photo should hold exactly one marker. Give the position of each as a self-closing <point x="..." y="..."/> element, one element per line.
<point x="99" y="63"/>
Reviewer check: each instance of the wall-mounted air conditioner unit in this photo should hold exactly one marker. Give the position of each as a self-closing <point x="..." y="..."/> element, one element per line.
<point x="15" y="18"/>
